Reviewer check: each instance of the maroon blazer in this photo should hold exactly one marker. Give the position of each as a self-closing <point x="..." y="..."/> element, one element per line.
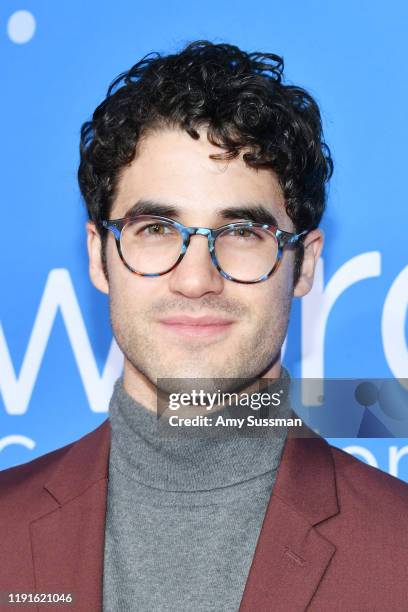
<point x="334" y="536"/>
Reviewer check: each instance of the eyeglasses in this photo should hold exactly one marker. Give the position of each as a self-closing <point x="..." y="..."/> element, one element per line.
<point x="243" y="252"/>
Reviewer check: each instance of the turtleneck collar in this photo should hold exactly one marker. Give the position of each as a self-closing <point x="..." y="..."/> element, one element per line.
<point x="188" y="463"/>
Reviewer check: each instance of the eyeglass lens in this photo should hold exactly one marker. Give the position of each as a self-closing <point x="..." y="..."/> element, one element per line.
<point x="150" y="246"/>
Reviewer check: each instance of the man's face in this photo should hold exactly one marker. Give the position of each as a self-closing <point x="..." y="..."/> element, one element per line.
<point x="173" y="169"/>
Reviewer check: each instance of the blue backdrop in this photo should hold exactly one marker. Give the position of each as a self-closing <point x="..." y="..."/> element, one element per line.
<point x="57" y="359"/>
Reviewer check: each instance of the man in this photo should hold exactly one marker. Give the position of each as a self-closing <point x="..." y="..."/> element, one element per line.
<point x="126" y="518"/>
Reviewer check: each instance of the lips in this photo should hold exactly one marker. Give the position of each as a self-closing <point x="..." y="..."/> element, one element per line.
<point x="194" y="327"/>
<point x="195" y="321"/>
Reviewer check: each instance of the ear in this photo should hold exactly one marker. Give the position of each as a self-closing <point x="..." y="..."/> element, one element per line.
<point x="313" y="245"/>
<point x="95" y="258"/>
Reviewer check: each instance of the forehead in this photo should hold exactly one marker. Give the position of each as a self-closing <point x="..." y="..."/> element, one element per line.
<point x="170" y="166"/>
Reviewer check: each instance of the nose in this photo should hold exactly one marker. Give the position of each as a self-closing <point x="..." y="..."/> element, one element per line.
<point x="196" y="275"/>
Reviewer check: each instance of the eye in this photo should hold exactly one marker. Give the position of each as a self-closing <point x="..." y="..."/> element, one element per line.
<point x="245" y="232"/>
<point x="157" y="228"/>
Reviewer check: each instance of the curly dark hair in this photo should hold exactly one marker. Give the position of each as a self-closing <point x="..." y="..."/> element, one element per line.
<point x="240" y="99"/>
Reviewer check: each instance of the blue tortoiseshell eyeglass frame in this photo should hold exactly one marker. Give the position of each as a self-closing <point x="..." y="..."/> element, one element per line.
<point x="283" y="239"/>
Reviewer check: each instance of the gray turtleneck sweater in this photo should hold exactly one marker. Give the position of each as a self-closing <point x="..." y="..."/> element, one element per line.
<point x="183" y="514"/>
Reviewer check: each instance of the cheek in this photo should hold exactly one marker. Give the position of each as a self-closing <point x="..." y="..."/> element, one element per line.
<point x="271" y="302"/>
<point x="122" y="282"/>
<point x="287" y="270"/>
<point x="132" y="299"/>
<point x="277" y="290"/>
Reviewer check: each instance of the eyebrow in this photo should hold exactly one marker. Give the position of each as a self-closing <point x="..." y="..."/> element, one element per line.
<point x="257" y="213"/>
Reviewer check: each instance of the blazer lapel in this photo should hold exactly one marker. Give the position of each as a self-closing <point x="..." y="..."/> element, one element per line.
<point x="291" y="556"/>
<point x="68" y="540"/>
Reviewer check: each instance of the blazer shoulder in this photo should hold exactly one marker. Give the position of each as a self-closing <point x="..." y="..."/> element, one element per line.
<point x="378" y="489"/>
<point x="36" y="469"/>
<point x="22" y="486"/>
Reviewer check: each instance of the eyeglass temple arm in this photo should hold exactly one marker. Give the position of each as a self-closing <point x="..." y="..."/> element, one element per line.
<point x="289" y="238"/>
<point x="114" y="226"/>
